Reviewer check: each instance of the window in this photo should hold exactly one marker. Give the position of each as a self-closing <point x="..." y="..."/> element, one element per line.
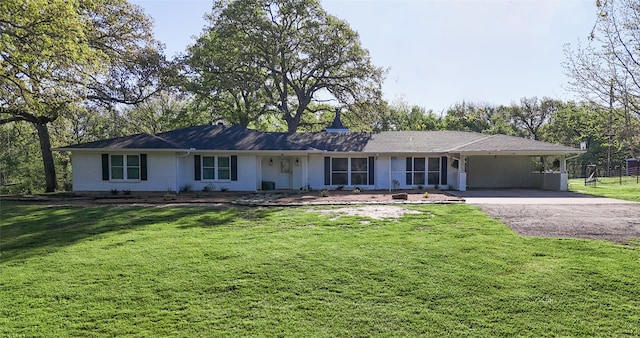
<point x="434" y="171"/>
<point x="415" y="170"/>
<point x="125" y="167"/>
<point x="423" y="170"/>
<point x="359" y="171"/>
<point x="211" y="163"/>
<point x="350" y="171"/>
<point x="208" y="167"/>
<point x="340" y="171"/>
<point x="224" y="168"/>
<point x="117" y="167"/>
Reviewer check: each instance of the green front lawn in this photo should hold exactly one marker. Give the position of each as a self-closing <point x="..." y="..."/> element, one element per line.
<point x="195" y="271"/>
<point x="608" y="187"/>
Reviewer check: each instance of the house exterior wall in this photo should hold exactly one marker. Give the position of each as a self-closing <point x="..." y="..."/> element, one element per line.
<point x="271" y="169"/>
<point x="175" y="171"/>
<point x="247" y="172"/>
<point x="387" y="170"/>
<point x="87" y="173"/>
<point x="316" y="172"/>
<point x="555" y="181"/>
<point x="382" y="171"/>
<point x="500" y="172"/>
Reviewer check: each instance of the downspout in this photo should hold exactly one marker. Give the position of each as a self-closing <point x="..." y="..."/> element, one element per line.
<point x="565" y="173"/>
<point x="569" y="158"/>
<point x="178" y="167"/>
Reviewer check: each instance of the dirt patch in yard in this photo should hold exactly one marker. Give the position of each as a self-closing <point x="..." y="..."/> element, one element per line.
<point x="372" y="211"/>
<point x="613" y="222"/>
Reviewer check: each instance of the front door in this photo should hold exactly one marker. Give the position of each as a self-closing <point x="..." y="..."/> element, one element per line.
<point x="284" y="177"/>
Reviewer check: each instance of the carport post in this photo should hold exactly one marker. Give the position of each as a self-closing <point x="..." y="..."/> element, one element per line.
<point x="462" y="173"/>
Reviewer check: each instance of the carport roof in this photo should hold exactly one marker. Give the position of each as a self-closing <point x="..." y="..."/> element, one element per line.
<point x="237" y="138"/>
<point x="506" y="143"/>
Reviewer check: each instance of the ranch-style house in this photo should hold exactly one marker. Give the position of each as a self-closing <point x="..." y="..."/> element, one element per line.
<point x="235" y="158"/>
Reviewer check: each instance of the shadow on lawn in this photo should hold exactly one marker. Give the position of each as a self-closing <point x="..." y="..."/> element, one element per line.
<point x="227" y="216"/>
<point x="27" y="230"/>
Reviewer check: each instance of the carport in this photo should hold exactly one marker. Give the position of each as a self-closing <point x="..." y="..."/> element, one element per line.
<point x="500" y="161"/>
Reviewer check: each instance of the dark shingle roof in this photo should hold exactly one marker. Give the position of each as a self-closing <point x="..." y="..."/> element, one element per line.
<point x="333" y="142"/>
<point x="505" y="143"/>
<point x="237" y="138"/>
<point x="207" y="137"/>
<point x="418" y="141"/>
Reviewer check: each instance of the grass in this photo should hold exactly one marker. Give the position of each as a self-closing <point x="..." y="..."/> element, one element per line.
<point x="609" y="187"/>
<point x="195" y="271"/>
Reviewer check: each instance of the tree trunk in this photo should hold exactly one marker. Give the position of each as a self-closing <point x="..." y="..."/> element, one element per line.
<point x="47" y="157"/>
<point x="292" y="122"/>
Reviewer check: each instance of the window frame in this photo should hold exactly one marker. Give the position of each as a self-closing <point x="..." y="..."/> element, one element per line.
<point x="217" y="168"/>
<point x="429" y="172"/>
<point x="425" y="173"/>
<point x="349" y="171"/>
<point x="125" y="167"/>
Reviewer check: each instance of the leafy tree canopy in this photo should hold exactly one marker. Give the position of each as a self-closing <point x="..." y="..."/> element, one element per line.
<point x="56" y="56"/>
<point x="260" y="57"/>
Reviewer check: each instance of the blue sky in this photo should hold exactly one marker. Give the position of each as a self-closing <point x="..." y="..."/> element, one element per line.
<point x="438" y="52"/>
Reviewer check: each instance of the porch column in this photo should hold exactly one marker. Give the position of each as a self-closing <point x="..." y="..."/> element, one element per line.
<point x="305" y="174"/>
<point x="258" y="172"/>
<point x="563" y="164"/>
<point x="462" y="173"/>
<point x="564" y="175"/>
<point x="177" y="189"/>
<point x="390" y="176"/>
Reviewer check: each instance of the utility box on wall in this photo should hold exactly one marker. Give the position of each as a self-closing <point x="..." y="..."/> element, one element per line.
<point x="268" y="185"/>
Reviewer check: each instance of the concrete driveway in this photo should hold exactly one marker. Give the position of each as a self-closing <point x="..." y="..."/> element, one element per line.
<point x="531" y="196"/>
<point x="559" y="214"/>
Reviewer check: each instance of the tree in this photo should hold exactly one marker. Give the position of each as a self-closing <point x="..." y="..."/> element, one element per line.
<point x="531" y="115"/>
<point x="481" y="118"/>
<point x="607" y="70"/>
<point x="280" y="56"/>
<point x="56" y="56"/>
<point x="588" y="122"/>
<point x="402" y="116"/>
<point x="160" y="113"/>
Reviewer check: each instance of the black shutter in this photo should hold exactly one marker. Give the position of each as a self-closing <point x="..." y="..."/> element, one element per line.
<point x="143" y="167"/>
<point x="105" y="167"/>
<point x="409" y="176"/>
<point x="234" y="168"/>
<point x="443" y="170"/>
<point x="196" y="164"/>
<point x="372" y="171"/>
<point x="327" y="171"/>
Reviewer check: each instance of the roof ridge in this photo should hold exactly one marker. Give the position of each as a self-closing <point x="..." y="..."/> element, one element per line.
<point x="472" y="142"/>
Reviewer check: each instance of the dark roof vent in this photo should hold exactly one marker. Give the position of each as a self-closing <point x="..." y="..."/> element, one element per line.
<point x="336" y="126"/>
